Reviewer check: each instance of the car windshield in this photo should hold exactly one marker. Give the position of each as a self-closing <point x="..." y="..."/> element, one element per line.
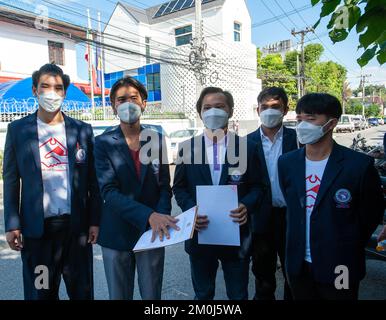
<point x="344" y="119"/>
<point x="292" y="123"/>
<point x="182" y="133"/>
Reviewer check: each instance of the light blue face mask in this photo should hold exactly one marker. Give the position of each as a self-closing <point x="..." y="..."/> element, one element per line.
<point x="309" y="133"/>
<point x="129" y="112"/>
<point x="215" y="118"/>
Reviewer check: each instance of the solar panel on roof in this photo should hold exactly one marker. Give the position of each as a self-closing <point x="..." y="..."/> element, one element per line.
<point x="170" y="7"/>
<point x="187" y="4"/>
<point x="161" y="10"/>
<point x="175" y="6"/>
<point x="179" y="5"/>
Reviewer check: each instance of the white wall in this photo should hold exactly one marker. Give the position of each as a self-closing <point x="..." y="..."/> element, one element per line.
<point x="24" y="50"/>
<point x="127" y="29"/>
<point x="235" y="62"/>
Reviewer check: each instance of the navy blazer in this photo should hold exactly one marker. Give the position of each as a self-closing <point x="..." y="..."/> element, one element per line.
<point x="22" y="166"/>
<point x="128" y="201"/>
<point x="188" y="176"/>
<point x="260" y="221"/>
<point x="338" y="234"/>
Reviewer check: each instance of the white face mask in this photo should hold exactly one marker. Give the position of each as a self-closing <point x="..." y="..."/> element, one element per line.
<point x="129" y="112"/>
<point x="309" y="133"/>
<point x="50" y="101"/>
<point x="215" y="118"/>
<point x="271" y="118"/>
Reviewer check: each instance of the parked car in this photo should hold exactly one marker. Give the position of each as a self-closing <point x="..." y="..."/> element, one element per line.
<point x="345" y="124"/>
<point x="176" y="137"/>
<point x="290" y="124"/>
<point x="373" y="122"/>
<point x="381" y="121"/>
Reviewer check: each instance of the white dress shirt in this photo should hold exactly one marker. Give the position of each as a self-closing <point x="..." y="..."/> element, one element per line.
<point x="272" y="151"/>
<point x="215" y="170"/>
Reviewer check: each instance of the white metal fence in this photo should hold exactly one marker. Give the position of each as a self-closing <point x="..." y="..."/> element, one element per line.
<point x="12" y="109"/>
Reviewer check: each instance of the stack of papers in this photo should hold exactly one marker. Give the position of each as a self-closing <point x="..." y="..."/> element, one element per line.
<point x="186" y="223"/>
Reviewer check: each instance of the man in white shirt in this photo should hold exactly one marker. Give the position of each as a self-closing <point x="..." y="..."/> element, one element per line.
<point x="334" y="204"/>
<point x="272" y="139"/>
<point x="51" y="197"/>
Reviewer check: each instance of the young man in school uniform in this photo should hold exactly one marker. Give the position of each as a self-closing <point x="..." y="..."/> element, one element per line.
<point x="334" y="204"/>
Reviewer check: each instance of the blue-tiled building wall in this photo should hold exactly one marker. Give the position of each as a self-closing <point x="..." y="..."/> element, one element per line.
<point x="142" y="72"/>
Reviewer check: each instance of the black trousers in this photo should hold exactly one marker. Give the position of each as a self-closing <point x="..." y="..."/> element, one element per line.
<point x="265" y="249"/>
<point x="57" y="253"/>
<point x="304" y="287"/>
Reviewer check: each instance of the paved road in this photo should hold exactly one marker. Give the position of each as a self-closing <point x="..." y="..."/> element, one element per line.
<point x="177" y="283"/>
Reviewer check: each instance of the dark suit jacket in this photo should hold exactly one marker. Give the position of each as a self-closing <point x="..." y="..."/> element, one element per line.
<point x="338" y="235"/>
<point x="260" y="221"/>
<point x="188" y="176"/>
<point x="22" y="166"/>
<point x="128" y="202"/>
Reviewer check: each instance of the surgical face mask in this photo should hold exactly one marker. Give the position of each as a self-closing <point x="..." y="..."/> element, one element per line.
<point x="215" y="118"/>
<point x="50" y="101"/>
<point x="129" y="112"/>
<point x="309" y="133"/>
<point x="271" y="118"/>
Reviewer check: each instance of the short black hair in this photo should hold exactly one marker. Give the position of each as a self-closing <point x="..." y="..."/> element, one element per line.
<point x="209" y="90"/>
<point x="126" y="82"/>
<point x="273" y="93"/>
<point x="320" y="103"/>
<point x="51" y="69"/>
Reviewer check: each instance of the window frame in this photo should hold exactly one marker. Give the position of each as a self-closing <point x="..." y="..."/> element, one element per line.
<point x="237" y="31"/>
<point x="183" y="35"/>
<point x="56" y="51"/>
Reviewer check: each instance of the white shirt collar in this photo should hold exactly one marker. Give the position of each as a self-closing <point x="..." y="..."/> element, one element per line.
<point x="277" y="136"/>
<point x="209" y="142"/>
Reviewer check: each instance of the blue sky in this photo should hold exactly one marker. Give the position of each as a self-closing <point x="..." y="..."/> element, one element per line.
<point x="344" y="53"/>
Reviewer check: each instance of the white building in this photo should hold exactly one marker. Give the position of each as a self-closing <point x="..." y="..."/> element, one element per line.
<point x="27" y="43"/>
<point x="157" y="44"/>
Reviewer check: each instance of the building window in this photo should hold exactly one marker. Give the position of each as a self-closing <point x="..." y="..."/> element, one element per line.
<point x="183" y="35"/>
<point x="153" y="81"/>
<point x="147" y="44"/>
<point x="56" y="52"/>
<point x="237" y="31"/>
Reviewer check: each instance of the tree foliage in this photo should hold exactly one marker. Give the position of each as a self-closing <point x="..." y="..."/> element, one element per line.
<point x="367" y="16"/>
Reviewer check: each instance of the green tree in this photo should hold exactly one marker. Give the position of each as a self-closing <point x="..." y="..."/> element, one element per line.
<point x="368" y="16"/>
<point x="273" y="72"/>
<point x="373" y="110"/>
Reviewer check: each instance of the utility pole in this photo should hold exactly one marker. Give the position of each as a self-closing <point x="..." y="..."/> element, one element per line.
<point x="363" y="81"/>
<point x="90" y="57"/>
<point x="298" y="76"/>
<point x="303" y="63"/>
<point x="103" y="66"/>
<point x="198" y="39"/>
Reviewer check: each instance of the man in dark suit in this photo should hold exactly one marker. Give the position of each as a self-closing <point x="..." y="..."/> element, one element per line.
<point x="205" y="160"/>
<point x="268" y="225"/>
<point x="334" y="204"/>
<point x="136" y="190"/>
<point x="49" y="156"/>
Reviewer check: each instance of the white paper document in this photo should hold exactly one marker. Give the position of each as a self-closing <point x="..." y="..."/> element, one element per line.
<point x="216" y="202"/>
<point x="186" y="223"/>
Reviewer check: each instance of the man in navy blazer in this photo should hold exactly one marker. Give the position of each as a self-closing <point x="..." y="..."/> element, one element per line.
<point x="334" y="204"/>
<point x="268" y="225"/>
<point x="51" y="197"/>
<point x="137" y="195"/>
<point x="215" y="107"/>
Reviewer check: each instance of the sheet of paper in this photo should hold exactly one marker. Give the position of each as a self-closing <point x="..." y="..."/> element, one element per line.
<point x="186" y="224"/>
<point x="216" y="202"/>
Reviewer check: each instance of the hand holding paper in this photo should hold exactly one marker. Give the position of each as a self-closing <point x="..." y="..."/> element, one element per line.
<point x="185" y="225"/>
